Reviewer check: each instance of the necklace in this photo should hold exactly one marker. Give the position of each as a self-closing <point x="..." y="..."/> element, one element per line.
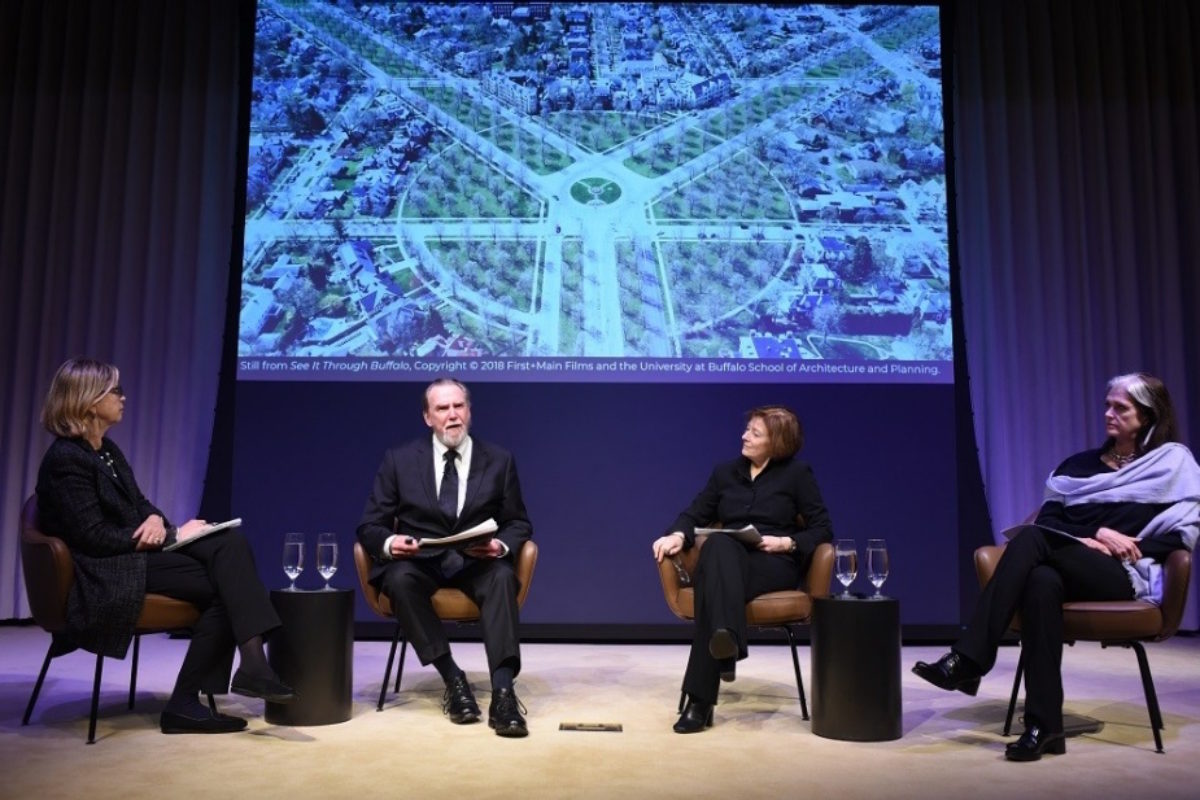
<point x="1121" y="460"/>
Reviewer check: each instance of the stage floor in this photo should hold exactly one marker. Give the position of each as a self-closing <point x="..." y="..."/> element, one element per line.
<point x="759" y="746"/>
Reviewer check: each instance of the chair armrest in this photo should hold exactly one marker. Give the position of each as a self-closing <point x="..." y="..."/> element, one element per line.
<point x="362" y="565"/>
<point x="669" y="574"/>
<point x="675" y="574"/>
<point x="1177" y="575"/>
<point x="820" y="571"/>
<point x="986" y="559"/>
<point x="525" y="562"/>
<point x="48" y="569"/>
<point x="379" y="603"/>
<point x="49" y="574"/>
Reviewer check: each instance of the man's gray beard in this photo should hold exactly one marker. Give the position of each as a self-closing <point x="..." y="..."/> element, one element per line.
<point x="445" y="440"/>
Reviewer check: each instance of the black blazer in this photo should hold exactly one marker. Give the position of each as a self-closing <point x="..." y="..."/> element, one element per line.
<point x="771" y="502"/>
<point x="404" y="498"/>
<point x="96" y="513"/>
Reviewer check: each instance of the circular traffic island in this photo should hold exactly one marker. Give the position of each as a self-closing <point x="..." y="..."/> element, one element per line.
<point x="595" y="191"/>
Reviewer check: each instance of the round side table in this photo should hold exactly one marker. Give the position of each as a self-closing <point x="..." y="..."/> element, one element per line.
<point x="313" y="653"/>
<point x="856" y="669"/>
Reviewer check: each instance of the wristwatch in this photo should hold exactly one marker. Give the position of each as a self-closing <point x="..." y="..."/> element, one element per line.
<point x="792" y="546"/>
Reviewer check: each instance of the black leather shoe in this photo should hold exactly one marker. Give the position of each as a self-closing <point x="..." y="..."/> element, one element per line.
<point x="504" y="714"/>
<point x="723" y="647"/>
<point x="951" y="672"/>
<point x="268" y="688"/>
<point x="697" y="715"/>
<point x="1033" y="742"/>
<point x="199" y="719"/>
<point x="722" y="644"/>
<point x="212" y="707"/>
<point x="458" y="703"/>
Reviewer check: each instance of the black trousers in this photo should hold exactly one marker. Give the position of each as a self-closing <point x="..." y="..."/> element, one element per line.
<point x="1036" y="575"/>
<point x="491" y="583"/>
<point x="218" y="575"/>
<point x="727" y="577"/>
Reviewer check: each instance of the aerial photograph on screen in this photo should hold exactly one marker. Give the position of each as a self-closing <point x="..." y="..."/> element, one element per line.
<point x="595" y="191"/>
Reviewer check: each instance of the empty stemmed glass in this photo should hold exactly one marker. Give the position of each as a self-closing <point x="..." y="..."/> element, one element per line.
<point x="327" y="556"/>
<point x="293" y="557"/>
<point x="846" y="564"/>
<point x="877" y="565"/>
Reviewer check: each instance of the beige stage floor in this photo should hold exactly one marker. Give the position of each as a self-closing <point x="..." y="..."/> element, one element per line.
<point x="759" y="747"/>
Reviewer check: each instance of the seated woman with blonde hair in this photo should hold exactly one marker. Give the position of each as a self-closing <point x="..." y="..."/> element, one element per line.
<point x="87" y="495"/>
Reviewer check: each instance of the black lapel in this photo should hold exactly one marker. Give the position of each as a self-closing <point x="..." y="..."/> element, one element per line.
<point x="480" y="459"/>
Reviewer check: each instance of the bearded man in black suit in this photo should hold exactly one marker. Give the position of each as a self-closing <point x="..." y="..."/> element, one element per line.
<point x="420" y="493"/>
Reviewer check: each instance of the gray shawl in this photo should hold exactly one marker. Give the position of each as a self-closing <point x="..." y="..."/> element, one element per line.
<point x="1167" y="474"/>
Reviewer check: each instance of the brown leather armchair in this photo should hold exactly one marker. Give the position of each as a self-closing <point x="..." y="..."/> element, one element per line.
<point x="1124" y="623"/>
<point x="49" y="574"/>
<point x="451" y="605"/>
<point x="771" y="610"/>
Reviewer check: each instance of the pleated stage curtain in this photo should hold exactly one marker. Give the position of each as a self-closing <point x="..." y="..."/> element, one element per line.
<point x="1077" y="205"/>
<point x="118" y="143"/>
<point x="1078" y="156"/>
<point x="1078" y="176"/>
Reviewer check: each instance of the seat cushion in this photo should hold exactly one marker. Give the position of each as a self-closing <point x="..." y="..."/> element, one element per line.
<point x="772" y="608"/>
<point x="454" y="606"/>
<point x="778" y="608"/>
<point x="1107" y="621"/>
<point x="450" y="605"/>
<point x="162" y="613"/>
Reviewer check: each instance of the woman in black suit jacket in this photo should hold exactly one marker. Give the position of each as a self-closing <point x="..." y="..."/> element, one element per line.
<point x="766" y="487"/>
<point x="87" y="495"/>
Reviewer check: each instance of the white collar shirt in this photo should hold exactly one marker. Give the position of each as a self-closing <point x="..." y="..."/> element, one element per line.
<point x="463" y="466"/>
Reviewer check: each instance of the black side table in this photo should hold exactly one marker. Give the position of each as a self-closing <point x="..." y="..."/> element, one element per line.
<point x="314" y="653"/>
<point x="856" y="669"/>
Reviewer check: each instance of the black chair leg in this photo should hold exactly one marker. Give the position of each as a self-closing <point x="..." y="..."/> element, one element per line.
<point x="37" y="687"/>
<point x="212" y="703"/>
<point x="796" y="666"/>
<point x="387" y="671"/>
<point x="95" y="701"/>
<point x="1012" y="702"/>
<point x="1156" y="722"/>
<point x="137" y="640"/>
<point x="400" y="666"/>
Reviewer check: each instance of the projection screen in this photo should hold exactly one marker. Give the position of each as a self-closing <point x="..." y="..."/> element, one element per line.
<point x="627" y="192"/>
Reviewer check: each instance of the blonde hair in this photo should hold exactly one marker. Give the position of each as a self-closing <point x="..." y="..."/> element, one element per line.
<point x="77" y="386"/>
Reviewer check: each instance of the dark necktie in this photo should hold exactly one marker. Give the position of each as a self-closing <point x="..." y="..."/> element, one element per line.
<point x="448" y="494"/>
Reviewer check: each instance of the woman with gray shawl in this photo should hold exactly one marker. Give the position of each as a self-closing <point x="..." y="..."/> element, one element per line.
<point x="1111" y="516"/>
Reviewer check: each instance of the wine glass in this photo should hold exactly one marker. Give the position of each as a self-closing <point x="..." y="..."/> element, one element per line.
<point x="327" y="556"/>
<point x="846" y="564"/>
<point x="293" y="557"/>
<point x="877" y="564"/>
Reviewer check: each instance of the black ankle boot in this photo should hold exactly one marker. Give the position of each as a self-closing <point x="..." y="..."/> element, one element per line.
<point x="697" y="715"/>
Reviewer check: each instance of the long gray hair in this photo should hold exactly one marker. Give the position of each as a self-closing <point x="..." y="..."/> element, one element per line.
<point x="1154" y="407"/>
